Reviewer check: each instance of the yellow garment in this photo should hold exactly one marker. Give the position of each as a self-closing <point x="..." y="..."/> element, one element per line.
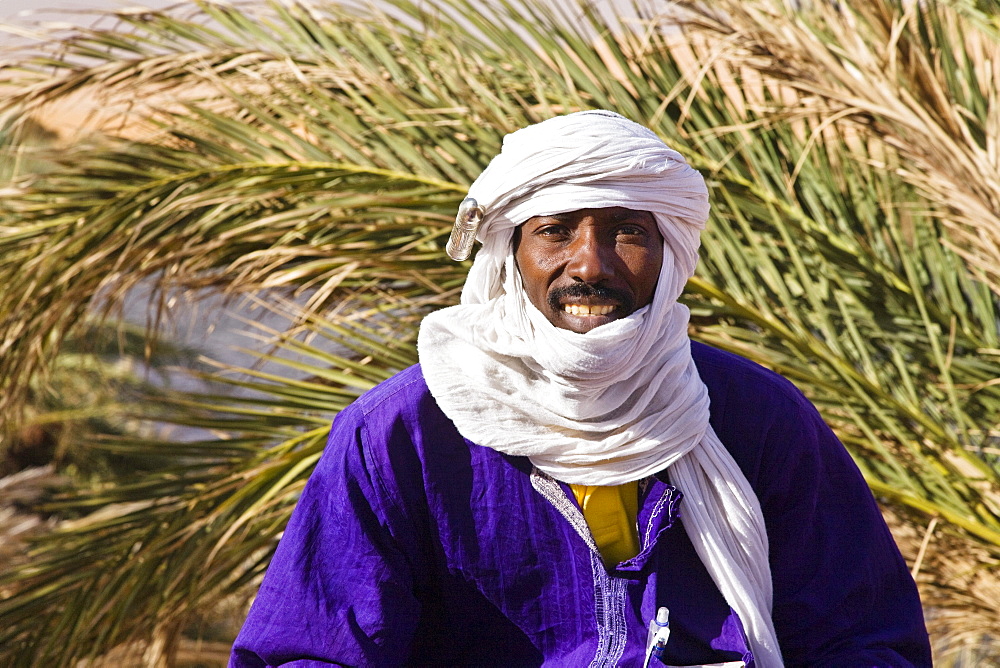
<point x="611" y="515"/>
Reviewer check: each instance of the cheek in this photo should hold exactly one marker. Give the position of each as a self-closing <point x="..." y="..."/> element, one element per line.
<point x="533" y="274"/>
<point x="645" y="267"/>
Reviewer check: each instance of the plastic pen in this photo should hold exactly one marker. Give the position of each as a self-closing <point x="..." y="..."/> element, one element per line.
<point x="659" y="632"/>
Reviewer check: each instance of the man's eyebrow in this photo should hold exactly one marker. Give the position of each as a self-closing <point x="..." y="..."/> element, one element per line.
<point x="558" y="217"/>
<point x="633" y="214"/>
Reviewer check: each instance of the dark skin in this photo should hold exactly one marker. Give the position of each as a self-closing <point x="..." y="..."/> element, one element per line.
<point x="588" y="267"/>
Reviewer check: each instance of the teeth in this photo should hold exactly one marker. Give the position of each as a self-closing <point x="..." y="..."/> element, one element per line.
<point x="583" y="309"/>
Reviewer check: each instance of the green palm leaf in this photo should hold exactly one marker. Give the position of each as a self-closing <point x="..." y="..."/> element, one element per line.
<point x="315" y="151"/>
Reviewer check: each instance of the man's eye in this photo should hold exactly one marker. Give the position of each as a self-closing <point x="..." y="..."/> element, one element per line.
<point x="632" y="230"/>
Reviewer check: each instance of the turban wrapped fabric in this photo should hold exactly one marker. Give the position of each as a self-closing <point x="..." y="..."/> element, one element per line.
<point x="624" y="400"/>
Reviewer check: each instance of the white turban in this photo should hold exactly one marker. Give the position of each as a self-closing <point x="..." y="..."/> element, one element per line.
<point x="624" y="400"/>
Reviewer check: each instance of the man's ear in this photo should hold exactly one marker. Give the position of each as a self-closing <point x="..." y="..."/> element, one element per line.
<point x="515" y="242"/>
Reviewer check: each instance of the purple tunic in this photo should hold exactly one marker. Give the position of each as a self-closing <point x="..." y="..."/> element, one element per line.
<point x="411" y="545"/>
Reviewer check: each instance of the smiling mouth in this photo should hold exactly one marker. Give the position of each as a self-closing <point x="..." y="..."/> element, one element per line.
<point x="588" y="309"/>
<point x="577" y="300"/>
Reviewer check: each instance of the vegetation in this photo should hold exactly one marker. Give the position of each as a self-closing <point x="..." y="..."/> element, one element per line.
<point x="313" y="155"/>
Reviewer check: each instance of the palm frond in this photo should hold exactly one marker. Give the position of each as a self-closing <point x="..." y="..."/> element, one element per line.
<point x="320" y="151"/>
<point x="199" y="526"/>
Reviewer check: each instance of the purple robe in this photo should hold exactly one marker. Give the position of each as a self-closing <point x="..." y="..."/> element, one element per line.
<point x="412" y="545"/>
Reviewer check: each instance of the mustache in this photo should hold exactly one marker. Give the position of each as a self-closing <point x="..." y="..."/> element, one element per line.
<point x="586" y="290"/>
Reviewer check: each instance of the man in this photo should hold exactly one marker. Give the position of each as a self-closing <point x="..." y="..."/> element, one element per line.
<point x="565" y="466"/>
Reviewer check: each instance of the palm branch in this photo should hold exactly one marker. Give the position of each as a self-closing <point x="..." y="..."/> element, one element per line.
<point x="311" y="150"/>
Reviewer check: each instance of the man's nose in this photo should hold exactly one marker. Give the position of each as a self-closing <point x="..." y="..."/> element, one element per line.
<point x="590" y="259"/>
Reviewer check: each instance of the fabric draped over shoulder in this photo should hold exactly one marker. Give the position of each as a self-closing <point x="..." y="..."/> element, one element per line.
<point x="624" y="400"/>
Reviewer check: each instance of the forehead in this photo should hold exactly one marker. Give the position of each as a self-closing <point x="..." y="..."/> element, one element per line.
<point x="602" y="214"/>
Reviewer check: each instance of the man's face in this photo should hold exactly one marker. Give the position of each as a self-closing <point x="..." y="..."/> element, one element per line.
<point x="588" y="267"/>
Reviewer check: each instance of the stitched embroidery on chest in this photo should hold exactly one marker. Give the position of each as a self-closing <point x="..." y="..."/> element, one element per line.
<point x="609" y="604"/>
<point x="553" y="493"/>
<point x="609" y="592"/>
